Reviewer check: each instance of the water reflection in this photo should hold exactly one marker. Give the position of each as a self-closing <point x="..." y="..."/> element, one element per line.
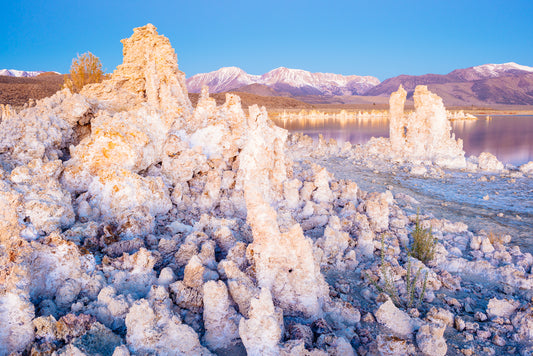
<point x="354" y="127"/>
<point x="510" y="138"/>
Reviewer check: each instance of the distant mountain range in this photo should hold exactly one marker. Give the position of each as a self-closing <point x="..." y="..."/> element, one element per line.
<point x="284" y="82"/>
<point x="19" y="73"/>
<point x="507" y="83"/>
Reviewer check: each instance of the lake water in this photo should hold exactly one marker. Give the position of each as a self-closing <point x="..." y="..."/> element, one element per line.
<point x="510" y="138"/>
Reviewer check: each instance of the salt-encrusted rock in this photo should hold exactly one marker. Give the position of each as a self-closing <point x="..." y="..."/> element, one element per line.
<point x="111" y="309"/>
<point x="391" y="345"/>
<point x="221" y="322"/>
<point x="186" y="251"/>
<point x="297" y="348"/>
<point x="440" y="316"/>
<point x="342" y="313"/>
<point x="129" y="200"/>
<point x="292" y="193"/>
<point x="45" y="130"/>
<point x="241" y="286"/>
<point x="71" y="350"/>
<point x="527" y="168"/>
<point x="45" y="328"/>
<point x="224" y="238"/>
<point x="186" y="297"/>
<point x="47" y="206"/>
<point x="205" y="110"/>
<point x="523" y="324"/>
<point x="459" y="323"/>
<point x="376" y="206"/>
<point x="396" y="320"/>
<point x="430" y="340"/>
<point x="501" y="307"/>
<point x="151" y="330"/>
<point x="323" y="192"/>
<point x="194" y="273"/>
<point x="365" y="240"/>
<point x="127" y="140"/>
<point x="334" y="244"/>
<point x="418" y="170"/>
<point x="284" y="262"/>
<point x="16" y="310"/>
<point x="56" y="269"/>
<point x="72" y="326"/>
<point x="339" y="346"/>
<point x="166" y="276"/>
<point x="16" y="314"/>
<point x="349" y="192"/>
<point x="432" y="282"/>
<point x="121" y="350"/>
<point x="106" y="343"/>
<point x="132" y="274"/>
<point x="300" y="332"/>
<point x="489" y="162"/>
<point x="261" y="332"/>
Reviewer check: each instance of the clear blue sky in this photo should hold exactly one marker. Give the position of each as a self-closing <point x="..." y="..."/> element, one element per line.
<point x="373" y="37"/>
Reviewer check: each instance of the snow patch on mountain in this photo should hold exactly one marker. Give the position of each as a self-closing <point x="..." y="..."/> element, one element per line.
<point x="290" y="80"/>
<point x="495" y="70"/>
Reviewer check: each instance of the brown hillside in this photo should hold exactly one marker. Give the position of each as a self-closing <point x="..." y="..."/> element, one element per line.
<point x="18" y="91"/>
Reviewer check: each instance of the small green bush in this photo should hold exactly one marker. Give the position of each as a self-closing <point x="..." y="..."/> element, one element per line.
<point x="423" y="247"/>
<point x="409" y="300"/>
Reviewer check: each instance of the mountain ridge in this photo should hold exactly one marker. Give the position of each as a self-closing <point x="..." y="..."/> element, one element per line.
<point x="291" y="81"/>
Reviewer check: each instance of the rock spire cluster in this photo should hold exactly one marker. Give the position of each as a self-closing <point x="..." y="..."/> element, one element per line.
<point x="424" y="134"/>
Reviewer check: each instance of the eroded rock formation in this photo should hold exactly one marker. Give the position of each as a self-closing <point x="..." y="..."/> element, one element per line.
<point x="425" y="134"/>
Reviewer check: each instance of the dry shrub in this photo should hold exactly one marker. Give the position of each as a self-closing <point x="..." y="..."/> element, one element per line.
<point x="85" y="69"/>
<point x="498" y="238"/>
<point x="423" y="247"/>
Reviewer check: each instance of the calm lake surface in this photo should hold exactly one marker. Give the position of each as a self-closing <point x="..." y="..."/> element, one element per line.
<point x="510" y="138"/>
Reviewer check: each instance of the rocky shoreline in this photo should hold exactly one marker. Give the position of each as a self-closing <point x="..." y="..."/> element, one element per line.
<point x="131" y="223"/>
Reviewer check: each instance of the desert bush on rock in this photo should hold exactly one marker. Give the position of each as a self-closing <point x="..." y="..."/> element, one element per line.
<point x="409" y="299"/>
<point x="423" y="247"/>
<point x="85" y="69"/>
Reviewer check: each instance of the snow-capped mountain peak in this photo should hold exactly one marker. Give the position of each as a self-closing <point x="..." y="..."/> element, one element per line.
<point x="19" y="73"/>
<point x="223" y="79"/>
